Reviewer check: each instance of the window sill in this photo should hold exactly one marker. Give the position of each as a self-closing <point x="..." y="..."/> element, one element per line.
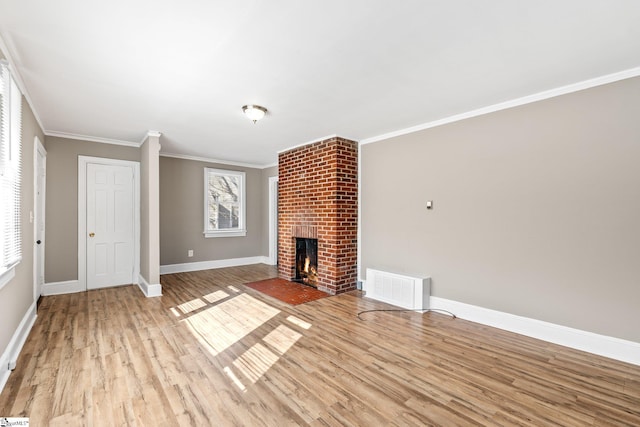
<point x="230" y="233"/>
<point x="7" y="275"/>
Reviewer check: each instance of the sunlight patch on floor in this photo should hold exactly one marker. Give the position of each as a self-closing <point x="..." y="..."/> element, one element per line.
<point x="234" y="379"/>
<point x="255" y="362"/>
<point x="220" y="326"/>
<point x="192" y="305"/>
<point x="215" y="296"/>
<point x="229" y="320"/>
<point x="299" y="322"/>
<point x="282" y="338"/>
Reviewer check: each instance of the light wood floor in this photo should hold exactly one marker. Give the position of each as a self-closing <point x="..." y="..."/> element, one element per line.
<point x="214" y="352"/>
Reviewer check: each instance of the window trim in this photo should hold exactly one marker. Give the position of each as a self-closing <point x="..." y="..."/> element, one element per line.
<point x="9" y="273"/>
<point x="11" y="163"/>
<point x="241" y="231"/>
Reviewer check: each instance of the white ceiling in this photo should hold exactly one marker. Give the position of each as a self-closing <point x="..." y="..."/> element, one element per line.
<point x="356" y="68"/>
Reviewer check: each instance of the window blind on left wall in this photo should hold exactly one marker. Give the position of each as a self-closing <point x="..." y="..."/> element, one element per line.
<point x="10" y="169"/>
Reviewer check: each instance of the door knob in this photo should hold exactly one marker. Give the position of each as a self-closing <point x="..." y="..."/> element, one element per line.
<point x="92" y="234"/>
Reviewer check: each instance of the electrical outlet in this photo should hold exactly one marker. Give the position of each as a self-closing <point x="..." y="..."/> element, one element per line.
<point x="190" y="253"/>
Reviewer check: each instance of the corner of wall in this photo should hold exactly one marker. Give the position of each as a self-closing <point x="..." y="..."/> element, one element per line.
<point x="154" y="290"/>
<point x="9" y="358"/>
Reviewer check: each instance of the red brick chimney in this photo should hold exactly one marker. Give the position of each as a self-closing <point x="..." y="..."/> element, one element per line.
<point x="318" y="199"/>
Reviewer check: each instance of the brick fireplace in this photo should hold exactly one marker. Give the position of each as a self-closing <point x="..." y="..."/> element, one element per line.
<point x="318" y="199"/>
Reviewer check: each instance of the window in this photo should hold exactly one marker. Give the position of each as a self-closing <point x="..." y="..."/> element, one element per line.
<point x="10" y="144"/>
<point x="224" y="203"/>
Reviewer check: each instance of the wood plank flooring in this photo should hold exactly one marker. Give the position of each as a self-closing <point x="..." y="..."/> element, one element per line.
<point x="214" y="352"/>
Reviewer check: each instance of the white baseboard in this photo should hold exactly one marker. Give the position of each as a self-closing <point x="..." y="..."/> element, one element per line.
<point x="602" y="345"/>
<point x="149" y="290"/>
<point x="10" y="355"/>
<point x="269" y="261"/>
<point x="208" y="265"/>
<point x="59" y="288"/>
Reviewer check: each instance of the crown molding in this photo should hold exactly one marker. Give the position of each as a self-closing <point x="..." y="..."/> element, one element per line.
<point x="210" y="160"/>
<point x="92" y="138"/>
<point x="270" y="165"/>
<point x="540" y="96"/>
<point x="313" y="141"/>
<point x="150" y="134"/>
<point x="18" y="78"/>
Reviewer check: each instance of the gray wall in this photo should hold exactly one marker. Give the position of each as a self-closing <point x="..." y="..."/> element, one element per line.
<point x="536" y="209"/>
<point x="182" y="215"/>
<point x="61" y="257"/>
<point x="17" y="296"/>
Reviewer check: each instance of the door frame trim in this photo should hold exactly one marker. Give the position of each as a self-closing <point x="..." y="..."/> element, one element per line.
<point x="38" y="148"/>
<point x="273" y="220"/>
<point x="83" y="161"/>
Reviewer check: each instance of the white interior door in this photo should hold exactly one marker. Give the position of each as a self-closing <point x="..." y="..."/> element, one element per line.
<point x="109" y="225"/>
<point x="39" y="219"/>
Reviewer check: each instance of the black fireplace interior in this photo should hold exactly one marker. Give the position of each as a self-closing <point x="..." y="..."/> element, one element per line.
<point x="307" y="261"/>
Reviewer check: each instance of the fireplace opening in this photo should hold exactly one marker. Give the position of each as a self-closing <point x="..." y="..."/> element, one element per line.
<point x="307" y="261"/>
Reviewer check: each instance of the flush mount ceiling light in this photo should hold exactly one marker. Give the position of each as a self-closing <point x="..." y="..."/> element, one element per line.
<point x="254" y="112"/>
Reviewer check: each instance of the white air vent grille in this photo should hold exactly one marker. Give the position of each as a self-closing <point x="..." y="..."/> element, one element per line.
<point x="404" y="291"/>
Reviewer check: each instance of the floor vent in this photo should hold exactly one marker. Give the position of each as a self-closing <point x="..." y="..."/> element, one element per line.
<point x="404" y="291"/>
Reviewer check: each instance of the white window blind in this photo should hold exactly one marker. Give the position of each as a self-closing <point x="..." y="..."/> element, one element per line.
<point x="10" y="173"/>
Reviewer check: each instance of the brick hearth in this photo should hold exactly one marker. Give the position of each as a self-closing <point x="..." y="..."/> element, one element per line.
<point x="318" y="198"/>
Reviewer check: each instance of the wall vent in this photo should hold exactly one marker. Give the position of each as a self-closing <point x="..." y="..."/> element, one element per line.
<point x="404" y="291"/>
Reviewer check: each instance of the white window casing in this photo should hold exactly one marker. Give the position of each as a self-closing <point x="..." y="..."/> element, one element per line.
<point x="224" y="203"/>
<point x="10" y="174"/>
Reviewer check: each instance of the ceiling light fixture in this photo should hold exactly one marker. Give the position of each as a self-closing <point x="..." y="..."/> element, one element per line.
<point x="254" y="112"/>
